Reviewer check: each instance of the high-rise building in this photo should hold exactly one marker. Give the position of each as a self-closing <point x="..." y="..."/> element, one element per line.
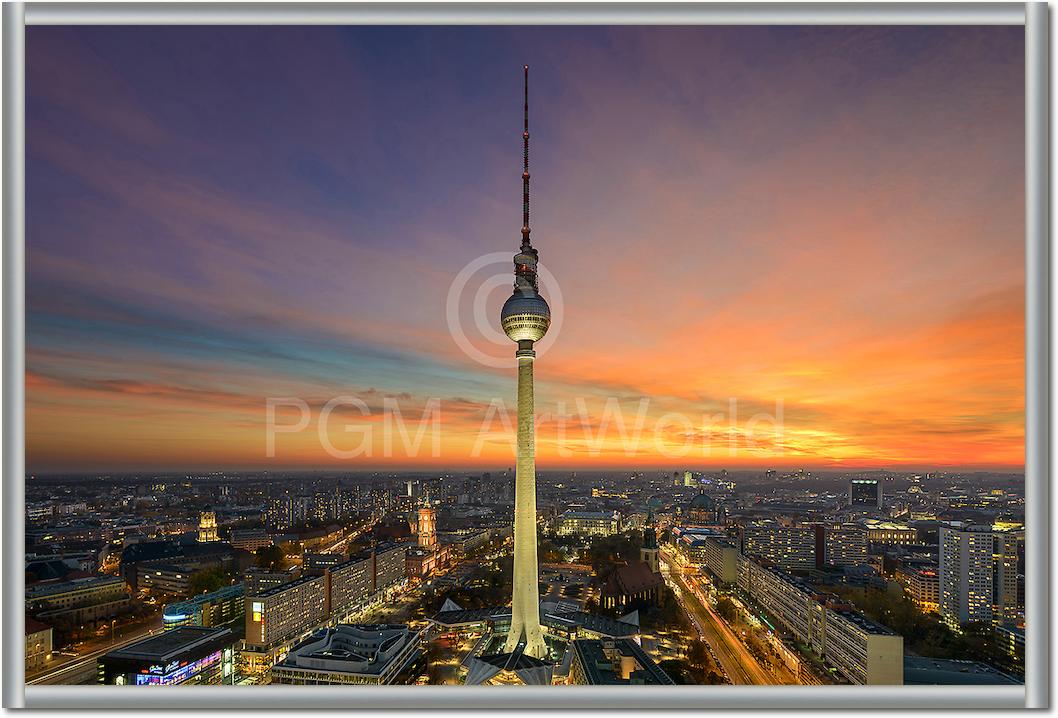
<point x="865" y="493"/>
<point x="791" y="548"/>
<point x="525" y="318"/>
<point x="978" y="575"/>
<point x="844" y="545"/>
<point x="280" y="513"/>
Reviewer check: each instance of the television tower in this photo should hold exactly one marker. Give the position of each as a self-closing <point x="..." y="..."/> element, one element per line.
<point x="525" y="318"/>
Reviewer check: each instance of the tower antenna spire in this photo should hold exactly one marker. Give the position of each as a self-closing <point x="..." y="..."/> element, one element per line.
<point x="526" y="244"/>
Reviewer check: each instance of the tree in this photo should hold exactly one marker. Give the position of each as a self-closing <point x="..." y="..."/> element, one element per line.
<point x="726" y="608"/>
<point x="208" y="579"/>
<point x="272" y="558"/>
<point x="698" y="655"/>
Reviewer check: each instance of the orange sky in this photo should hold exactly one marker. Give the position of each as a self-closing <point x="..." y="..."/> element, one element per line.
<point x="771" y="246"/>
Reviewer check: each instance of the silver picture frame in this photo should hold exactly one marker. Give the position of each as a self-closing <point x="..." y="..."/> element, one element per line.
<point x="1034" y="16"/>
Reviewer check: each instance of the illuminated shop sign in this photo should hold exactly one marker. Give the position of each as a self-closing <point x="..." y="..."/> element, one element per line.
<point x="175" y="672"/>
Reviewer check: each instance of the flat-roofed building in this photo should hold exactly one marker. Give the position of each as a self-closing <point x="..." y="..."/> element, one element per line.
<point x="210" y="610"/>
<point x="189" y="655"/>
<point x="865" y="652"/>
<point x="978" y="575"/>
<point x="866" y="493"/>
<point x="250" y="539"/>
<point x="890" y="533"/>
<point x="258" y="580"/>
<point x="792" y="548"/>
<point x="859" y="649"/>
<point x="721" y="559"/>
<point x="845" y="545"/>
<point x="921" y="582"/>
<point x="466" y="540"/>
<point x="352" y="583"/>
<point x="317" y="562"/>
<point x="279" y="616"/>
<point x="613" y="662"/>
<point x="374" y="654"/>
<point x="390" y="565"/>
<point x="78" y="601"/>
<point x="170" y="579"/>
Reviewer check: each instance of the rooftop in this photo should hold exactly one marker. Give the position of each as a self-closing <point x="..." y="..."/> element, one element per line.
<point x="602" y="669"/>
<point x="166" y="646"/>
<point x="367" y="649"/>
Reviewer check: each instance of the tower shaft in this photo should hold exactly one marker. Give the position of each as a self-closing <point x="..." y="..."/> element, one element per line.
<point x="525" y="606"/>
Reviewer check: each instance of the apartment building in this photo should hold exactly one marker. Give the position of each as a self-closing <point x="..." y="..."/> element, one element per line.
<point x="862" y="651"/>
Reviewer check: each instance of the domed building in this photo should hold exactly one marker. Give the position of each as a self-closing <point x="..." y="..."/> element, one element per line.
<point x="703" y="509"/>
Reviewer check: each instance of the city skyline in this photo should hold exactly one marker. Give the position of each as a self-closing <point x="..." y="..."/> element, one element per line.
<point x="795" y="217"/>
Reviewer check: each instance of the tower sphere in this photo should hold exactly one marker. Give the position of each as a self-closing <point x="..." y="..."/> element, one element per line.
<point x="525" y="316"/>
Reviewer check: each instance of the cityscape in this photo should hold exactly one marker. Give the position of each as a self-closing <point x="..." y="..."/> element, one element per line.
<point x="844" y="517"/>
<point x="684" y="577"/>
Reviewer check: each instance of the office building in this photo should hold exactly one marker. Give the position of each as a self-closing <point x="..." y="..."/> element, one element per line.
<point x="250" y="539"/>
<point x="209" y="610"/>
<point x="865" y="493"/>
<point x="371" y="654"/>
<point x="721" y="559"/>
<point x="189" y="655"/>
<point x="889" y="533"/>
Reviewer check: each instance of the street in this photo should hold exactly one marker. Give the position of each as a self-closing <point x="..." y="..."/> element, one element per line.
<point x="736" y="660"/>
<point x="80" y="669"/>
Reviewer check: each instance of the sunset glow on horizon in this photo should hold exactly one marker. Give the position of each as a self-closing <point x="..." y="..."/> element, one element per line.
<point x="776" y="247"/>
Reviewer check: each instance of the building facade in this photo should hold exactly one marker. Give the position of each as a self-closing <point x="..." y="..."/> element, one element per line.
<point x="792" y="548"/>
<point x="190" y="655"/>
<point x="81" y="601"/>
<point x="862" y="651"/>
<point x="978" y="576"/>
<point x="865" y="493"/>
<point x="844" y="545"/>
<point x="209" y="610"/>
<point x="38" y="644"/>
<point x="921" y="582"/>
<point x="588" y="523"/>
